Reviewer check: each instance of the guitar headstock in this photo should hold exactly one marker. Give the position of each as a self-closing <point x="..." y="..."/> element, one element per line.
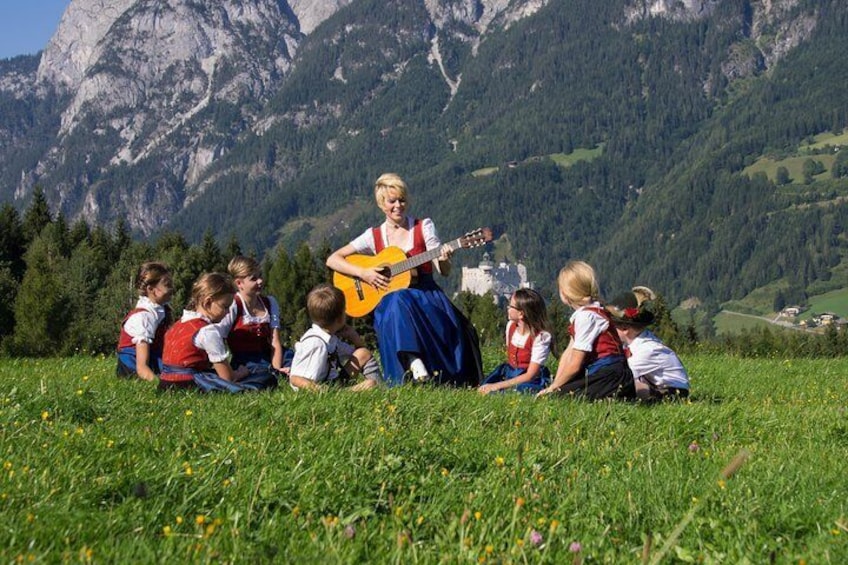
<point x="476" y="238"/>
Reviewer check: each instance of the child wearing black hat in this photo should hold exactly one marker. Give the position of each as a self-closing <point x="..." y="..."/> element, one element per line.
<point x="657" y="371"/>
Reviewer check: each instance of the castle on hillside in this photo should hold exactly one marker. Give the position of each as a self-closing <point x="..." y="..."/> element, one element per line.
<point x="501" y="280"/>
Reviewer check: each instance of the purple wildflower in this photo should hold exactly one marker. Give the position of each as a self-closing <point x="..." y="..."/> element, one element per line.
<point x="536" y="538"/>
<point x="575" y="547"/>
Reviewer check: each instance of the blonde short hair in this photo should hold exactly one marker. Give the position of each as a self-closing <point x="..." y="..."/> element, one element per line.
<point x="241" y="266"/>
<point x="325" y="304"/>
<point x="387" y="182"/>
<point x="578" y="283"/>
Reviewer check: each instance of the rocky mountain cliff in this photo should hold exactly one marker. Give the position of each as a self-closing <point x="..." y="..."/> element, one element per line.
<point x="144" y="81"/>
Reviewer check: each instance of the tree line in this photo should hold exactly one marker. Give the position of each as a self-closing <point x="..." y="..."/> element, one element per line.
<point x="66" y="289"/>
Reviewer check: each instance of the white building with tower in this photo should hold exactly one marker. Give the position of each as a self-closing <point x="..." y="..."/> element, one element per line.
<point x="500" y="279"/>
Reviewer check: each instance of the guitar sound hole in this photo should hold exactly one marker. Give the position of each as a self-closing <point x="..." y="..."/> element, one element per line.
<point x="386" y="272"/>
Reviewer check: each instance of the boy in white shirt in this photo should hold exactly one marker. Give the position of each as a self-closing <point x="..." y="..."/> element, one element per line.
<point x="657" y="370"/>
<point x="331" y="352"/>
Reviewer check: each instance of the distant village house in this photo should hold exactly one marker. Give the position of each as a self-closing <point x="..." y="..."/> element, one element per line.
<point x="792" y="311"/>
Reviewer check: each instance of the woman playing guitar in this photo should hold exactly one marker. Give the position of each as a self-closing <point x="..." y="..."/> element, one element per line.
<point x="419" y="331"/>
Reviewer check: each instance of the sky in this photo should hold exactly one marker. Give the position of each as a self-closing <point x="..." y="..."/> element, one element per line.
<point x="27" y="25"/>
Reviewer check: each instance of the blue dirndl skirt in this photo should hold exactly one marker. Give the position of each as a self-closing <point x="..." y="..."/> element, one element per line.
<point x="128" y="362"/>
<point x="261" y="376"/>
<point x="209" y="381"/>
<point x="422" y="321"/>
<point x="505" y="371"/>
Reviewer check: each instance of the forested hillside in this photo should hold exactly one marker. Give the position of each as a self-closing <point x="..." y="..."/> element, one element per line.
<point x="481" y="119"/>
<point x="665" y="203"/>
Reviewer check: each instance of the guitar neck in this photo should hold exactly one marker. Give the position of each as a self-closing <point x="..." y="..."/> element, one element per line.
<point x="422" y="258"/>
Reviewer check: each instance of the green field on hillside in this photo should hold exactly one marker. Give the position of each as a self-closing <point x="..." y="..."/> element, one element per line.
<point x="569" y="159"/>
<point x="795" y="166"/>
<point x="824" y="139"/>
<point x="835" y="301"/>
<point x="562" y="159"/>
<point x="733" y="323"/>
<point x="101" y="470"/>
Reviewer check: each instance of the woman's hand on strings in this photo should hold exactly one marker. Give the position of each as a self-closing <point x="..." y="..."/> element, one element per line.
<point x="376" y="278"/>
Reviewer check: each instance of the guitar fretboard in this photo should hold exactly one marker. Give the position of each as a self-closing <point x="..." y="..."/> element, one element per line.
<point x="422" y="258"/>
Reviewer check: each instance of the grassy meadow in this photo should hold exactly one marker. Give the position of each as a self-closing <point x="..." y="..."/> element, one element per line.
<point x="95" y="469"/>
<point x="733" y="323"/>
<point x="795" y="166"/>
<point x="835" y="301"/>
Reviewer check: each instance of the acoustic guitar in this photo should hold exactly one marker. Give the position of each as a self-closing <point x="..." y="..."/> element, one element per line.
<point x="361" y="298"/>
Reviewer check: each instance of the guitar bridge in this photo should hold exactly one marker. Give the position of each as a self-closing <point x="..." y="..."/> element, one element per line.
<point x="358" y="284"/>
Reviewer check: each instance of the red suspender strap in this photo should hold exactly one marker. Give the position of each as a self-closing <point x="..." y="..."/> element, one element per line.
<point x="419" y="246"/>
<point x="418" y="242"/>
<point x="379" y="245"/>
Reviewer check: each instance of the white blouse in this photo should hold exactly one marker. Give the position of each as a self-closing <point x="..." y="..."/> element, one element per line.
<point x="541" y="344"/>
<point x="588" y="325"/>
<point x="141" y="326"/>
<point x="365" y="242"/>
<point x="208" y="338"/>
<point x="225" y="326"/>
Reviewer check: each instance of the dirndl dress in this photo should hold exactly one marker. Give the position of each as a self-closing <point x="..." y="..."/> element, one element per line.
<point x="421" y="321"/>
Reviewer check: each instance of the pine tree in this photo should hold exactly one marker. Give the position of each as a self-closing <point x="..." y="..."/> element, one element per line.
<point x="489" y="320"/>
<point x="37" y="216"/>
<point x="281" y="283"/>
<point x="782" y="176"/>
<point x="114" y="297"/>
<point x="122" y="238"/>
<point x="558" y="317"/>
<point x="87" y="269"/>
<point x="12" y="242"/>
<point x="9" y="285"/>
<point x="78" y="233"/>
<point x="211" y="258"/>
<point x="41" y="313"/>
<point x="310" y="273"/>
<point x="232" y="249"/>
<point x="664" y="325"/>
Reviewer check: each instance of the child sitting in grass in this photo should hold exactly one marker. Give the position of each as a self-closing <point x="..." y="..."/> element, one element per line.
<point x="331" y="352"/>
<point x="528" y="343"/>
<point x="593" y="365"/>
<point x="657" y="371"/>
